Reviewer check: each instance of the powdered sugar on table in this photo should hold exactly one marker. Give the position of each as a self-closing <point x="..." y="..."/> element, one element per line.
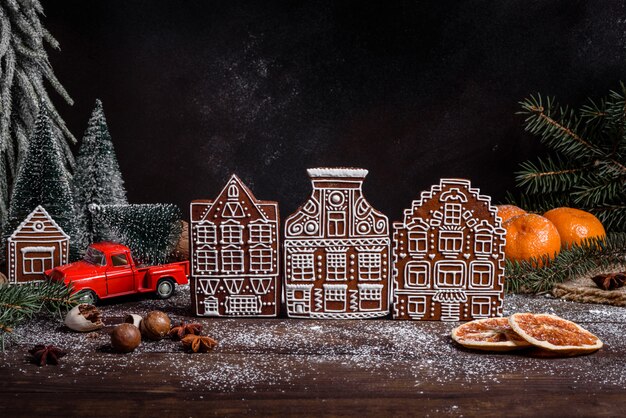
<point x="281" y="354"/>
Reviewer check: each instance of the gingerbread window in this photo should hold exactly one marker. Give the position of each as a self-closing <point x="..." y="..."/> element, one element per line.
<point x="260" y="233"/>
<point x="449" y="274"/>
<point x="481" y="274"/>
<point x="451" y="241"/>
<point x="206" y="234"/>
<point x="302" y="266"/>
<point x="336" y="223"/>
<point x="481" y="306"/>
<point x="261" y="259"/>
<point x="417" y="305"/>
<point x="369" y="266"/>
<point x="418" y="241"/>
<point x="483" y="243"/>
<point x="452" y="214"/>
<point x="418" y="275"/>
<point x="336" y="266"/>
<point x="231" y="234"/>
<point x="232" y="261"/>
<point x="206" y="260"/>
<point x="37" y="259"/>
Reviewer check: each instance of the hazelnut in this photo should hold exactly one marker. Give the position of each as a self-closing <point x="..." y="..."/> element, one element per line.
<point x="155" y="325"/>
<point x="125" y="338"/>
<point x="84" y="318"/>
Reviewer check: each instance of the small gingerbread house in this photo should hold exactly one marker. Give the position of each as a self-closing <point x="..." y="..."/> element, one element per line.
<point x="37" y="245"/>
<point x="235" y="254"/>
<point x="449" y="256"/>
<point x="337" y="251"/>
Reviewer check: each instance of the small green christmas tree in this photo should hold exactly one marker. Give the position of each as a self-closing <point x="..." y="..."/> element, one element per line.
<point x="587" y="169"/>
<point x="151" y="231"/>
<point x="42" y="180"/>
<point x="97" y="178"/>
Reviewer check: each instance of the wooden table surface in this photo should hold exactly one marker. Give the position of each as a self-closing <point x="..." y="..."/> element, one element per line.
<point x="282" y="367"/>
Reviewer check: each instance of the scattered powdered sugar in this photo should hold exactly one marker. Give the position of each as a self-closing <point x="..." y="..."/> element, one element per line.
<point x="282" y="354"/>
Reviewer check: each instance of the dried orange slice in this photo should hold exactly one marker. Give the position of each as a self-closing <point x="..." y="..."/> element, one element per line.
<point x="554" y="333"/>
<point x="490" y="334"/>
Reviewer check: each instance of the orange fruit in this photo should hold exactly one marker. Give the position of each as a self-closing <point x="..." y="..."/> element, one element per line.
<point x="529" y="236"/>
<point x="507" y="212"/>
<point x="554" y="333"/>
<point x="490" y="334"/>
<point x="575" y="225"/>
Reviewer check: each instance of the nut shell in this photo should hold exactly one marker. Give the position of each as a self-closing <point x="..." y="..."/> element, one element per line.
<point x="133" y="319"/>
<point x="155" y="325"/>
<point x="125" y="338"/>
<point x="84" y="318"/>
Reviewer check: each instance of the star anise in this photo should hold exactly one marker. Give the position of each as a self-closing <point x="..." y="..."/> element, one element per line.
<point x="46" y="354"/>
<point x="198" y="344"/>
<point x="178" y="332"/>
<point x="610" y="281"/>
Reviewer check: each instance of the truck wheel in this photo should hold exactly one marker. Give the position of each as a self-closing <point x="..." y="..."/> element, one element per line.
<point x="165" y="288"/>
<point x="88" y="296"/>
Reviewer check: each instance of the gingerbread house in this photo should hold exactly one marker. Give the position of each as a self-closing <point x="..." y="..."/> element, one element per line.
<point x="38" y="244"/>
<point x="337" y="251"/>
<point x="449" y="256"/>
<point x="234" y="249"/>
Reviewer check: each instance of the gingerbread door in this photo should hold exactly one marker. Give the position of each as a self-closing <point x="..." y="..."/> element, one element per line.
<point x="449" y="256"/>
<point x="337" y="251"/>
<point x="234" y="252"/>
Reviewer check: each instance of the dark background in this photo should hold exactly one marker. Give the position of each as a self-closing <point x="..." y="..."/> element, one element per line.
<point x="413" y="91"/>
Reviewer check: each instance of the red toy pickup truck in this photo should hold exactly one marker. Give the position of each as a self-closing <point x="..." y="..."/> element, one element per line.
<point x="108" y="270"/>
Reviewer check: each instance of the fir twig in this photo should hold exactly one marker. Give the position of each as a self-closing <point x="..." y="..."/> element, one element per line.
<point x="588" y="167"/>
<point x="537" y="276"/>
<point x="19" y="303"/>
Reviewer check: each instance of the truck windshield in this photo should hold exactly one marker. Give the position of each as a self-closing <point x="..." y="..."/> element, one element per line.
<point x="94" y="256"/>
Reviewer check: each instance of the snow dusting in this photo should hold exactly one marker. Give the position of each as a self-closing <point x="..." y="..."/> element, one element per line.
<point x="281" y="354"/>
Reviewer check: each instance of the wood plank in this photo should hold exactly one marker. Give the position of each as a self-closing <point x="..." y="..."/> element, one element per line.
<point x="279" y="367"/>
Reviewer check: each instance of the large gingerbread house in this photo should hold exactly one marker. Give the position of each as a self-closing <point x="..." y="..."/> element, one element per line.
<point x="337" y="251"/>
<point x="38" y="244"/>
<point x="449" y="256"/>
<point x="234" y="248"/>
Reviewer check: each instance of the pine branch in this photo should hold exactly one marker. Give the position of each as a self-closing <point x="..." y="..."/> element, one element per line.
<point x="19" y="303"/>
<point x="556" y="127"/>
<point x="527" y="277"/>
<point x="588" y="170"/>
<point x="548" y="175"/>
<point x="595" y="190"/>
<point x="613" y="217"/>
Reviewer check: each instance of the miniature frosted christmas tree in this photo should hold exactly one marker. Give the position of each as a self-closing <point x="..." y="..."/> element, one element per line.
<point x="97" y="178"/>
<point x="25" y="70"/>
<point x="42" y="180"/>
<point x="151" y="231"/>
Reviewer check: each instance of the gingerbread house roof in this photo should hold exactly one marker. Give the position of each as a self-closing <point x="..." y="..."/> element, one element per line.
<point x="254" y="207"/>
<point x="38" y="225"/>
<point x="461" y="193"/>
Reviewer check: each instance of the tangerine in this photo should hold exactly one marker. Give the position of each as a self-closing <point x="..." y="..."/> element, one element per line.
<point x="553" y="333"/>
<point x="506" y="212"/>
<point x="490" y="334"/>
<point x="575" y="225"/>
<point x="531" y="236"/>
